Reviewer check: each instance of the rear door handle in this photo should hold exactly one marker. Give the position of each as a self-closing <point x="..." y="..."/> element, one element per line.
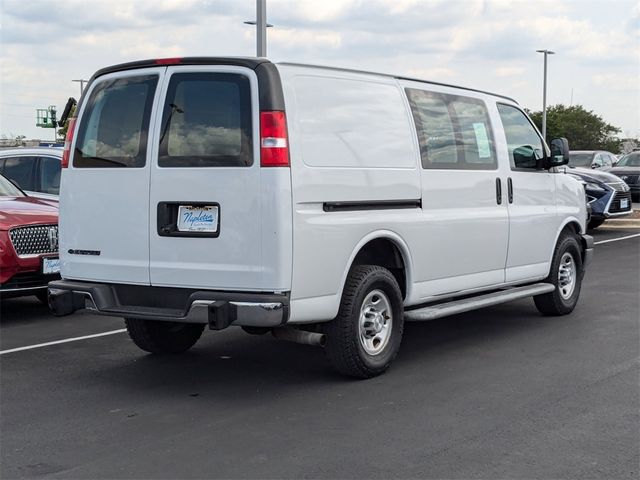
<point x="499" y="191"/>
<point x="510" y="189"/>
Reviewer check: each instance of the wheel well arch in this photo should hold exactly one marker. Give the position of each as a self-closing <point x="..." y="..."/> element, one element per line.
<point x="385" y="249"/>
<point x="570" y="224"/>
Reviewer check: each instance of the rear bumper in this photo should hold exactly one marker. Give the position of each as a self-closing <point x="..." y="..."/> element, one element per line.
<point x="216" y="308"/>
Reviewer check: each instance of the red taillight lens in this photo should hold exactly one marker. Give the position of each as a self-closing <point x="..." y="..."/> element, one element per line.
<point x="274" y="145"/>
<point x="67" y="143"/>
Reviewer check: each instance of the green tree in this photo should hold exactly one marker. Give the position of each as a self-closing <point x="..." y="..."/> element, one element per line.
<point x="584" y="129"/>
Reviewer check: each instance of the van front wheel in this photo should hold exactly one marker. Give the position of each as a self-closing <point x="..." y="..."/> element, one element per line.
<point x="566" y="275"/>
<point x="365" y="337"/>
<point x="163" y="337"/>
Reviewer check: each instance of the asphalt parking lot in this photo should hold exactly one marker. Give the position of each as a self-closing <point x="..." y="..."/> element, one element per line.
<point x="497" y="393"/>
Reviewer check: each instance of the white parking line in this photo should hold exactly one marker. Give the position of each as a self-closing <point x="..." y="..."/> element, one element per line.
<point x="616" y="239"/>
<point x="65" y="340"/>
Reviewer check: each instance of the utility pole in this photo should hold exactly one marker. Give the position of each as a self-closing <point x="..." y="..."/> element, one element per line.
<point x="261" y="27"/>
<point x="544" y="93"/>
<point x="82" y="82"/>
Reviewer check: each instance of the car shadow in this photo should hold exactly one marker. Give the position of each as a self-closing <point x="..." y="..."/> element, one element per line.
<point x="22" y="310"/>
<point x="245" y="367"/>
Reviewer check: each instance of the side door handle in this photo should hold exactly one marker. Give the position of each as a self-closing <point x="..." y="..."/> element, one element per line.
<point x="510" y="189"/>
<point x="499" y="191"/>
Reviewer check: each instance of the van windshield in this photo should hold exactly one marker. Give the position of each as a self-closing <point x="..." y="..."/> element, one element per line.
<point x="114" y="126"/>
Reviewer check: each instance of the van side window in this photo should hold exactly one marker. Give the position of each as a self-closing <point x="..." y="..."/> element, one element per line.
<point x="115" y="124"/>
<point x="21" y="171"/>
<point x="454" y="131"/>
<point x="524" y="143"/>
<point x="207" y="121"/>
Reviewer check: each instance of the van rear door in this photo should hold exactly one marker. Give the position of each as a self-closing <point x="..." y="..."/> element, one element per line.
<point x="205" y="208"/>
<point x="104" y="202"/>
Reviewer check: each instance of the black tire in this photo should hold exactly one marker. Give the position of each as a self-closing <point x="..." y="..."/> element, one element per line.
<point x="595" y="223"/>
<point x="344" y="347"/>
<point x="163" y="337"/>
<point x="557" y="302"/>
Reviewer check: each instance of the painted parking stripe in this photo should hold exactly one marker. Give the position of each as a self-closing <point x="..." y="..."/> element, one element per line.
<point x="617" y="239"/>
<point x="65" y="340"/>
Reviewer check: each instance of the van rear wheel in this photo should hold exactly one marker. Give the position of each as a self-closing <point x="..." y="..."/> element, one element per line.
<point x="365" y="337"/>
<point x="156" y="336"/>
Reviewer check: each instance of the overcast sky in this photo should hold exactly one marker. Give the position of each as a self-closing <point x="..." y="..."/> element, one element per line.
<point x="485" y="44"/>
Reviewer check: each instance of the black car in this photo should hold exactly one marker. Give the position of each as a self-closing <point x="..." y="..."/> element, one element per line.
<point x="628" y="169"/>
<point x="608" y="195"/>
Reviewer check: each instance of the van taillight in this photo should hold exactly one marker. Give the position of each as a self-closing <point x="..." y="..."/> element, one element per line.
<point x="67" y="143"/>
<point x="274" y="145"/>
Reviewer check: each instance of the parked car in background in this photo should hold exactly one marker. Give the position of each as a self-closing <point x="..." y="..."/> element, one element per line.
<point x="595" y="159"/>
<point x="28" y="243"/>
<point x="628" y="169"/>
<point x="35" y="170"/>
<point x="608" y="195"/>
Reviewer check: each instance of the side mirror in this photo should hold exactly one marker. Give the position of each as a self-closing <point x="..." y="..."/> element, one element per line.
<point x="595" y="165"/>
<point x="559" y="153"/>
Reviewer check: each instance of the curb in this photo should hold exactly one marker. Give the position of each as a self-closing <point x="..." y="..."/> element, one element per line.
<point x="632" y="223"/>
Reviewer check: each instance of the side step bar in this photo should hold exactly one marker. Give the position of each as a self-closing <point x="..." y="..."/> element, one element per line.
<point x="459" y="306"/>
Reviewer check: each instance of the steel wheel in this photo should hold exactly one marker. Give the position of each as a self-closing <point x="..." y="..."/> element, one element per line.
<point x="376" y="322"/>
<point x="567" y="275"/>
<point x="365" y="336"/>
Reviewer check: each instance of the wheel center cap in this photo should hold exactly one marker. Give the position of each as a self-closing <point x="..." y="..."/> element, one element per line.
<point x="378" y="323"/>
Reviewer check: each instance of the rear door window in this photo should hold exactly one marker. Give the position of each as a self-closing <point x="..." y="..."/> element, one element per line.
<point x="21" y="171"/>
<point x="114" y="128"/>
<point x="206" y="121"/>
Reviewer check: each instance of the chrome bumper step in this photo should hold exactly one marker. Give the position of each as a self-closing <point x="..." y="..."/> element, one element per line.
<point x="440" y="310"/>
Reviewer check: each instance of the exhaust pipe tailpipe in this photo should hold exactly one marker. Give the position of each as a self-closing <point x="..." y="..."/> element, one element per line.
<point x="299" y="336"/>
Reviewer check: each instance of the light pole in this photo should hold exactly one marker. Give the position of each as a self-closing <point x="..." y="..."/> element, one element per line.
<point x="261" y="27"/>
<point x="82" y="82"/>
<point x="544" y="93"/>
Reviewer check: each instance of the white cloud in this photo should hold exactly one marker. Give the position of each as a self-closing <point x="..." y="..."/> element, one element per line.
<point x="487" y="44"/>
<point x="509" y="71"/>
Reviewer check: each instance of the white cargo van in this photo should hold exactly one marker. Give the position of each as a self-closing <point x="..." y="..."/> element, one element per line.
<point x="327" y="206"/>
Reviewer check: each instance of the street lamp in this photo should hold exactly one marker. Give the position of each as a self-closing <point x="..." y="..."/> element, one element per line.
<point x="544" y="93"/>
<point x="261" y="27"/>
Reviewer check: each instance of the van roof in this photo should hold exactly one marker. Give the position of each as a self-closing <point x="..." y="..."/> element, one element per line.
<point x="254" y="62"/>
<point x="398" y="77"/>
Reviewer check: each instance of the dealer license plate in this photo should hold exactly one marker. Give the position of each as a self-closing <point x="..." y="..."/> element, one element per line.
<point x="50" y="266"/>
<point x="624" y="203"/>
<point x="198" y="219"/>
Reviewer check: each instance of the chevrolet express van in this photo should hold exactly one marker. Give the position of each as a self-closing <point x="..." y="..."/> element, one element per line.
<point x="324" y="205"/>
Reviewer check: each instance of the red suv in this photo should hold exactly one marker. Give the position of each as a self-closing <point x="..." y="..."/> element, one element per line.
<point x="28" y="243"/>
